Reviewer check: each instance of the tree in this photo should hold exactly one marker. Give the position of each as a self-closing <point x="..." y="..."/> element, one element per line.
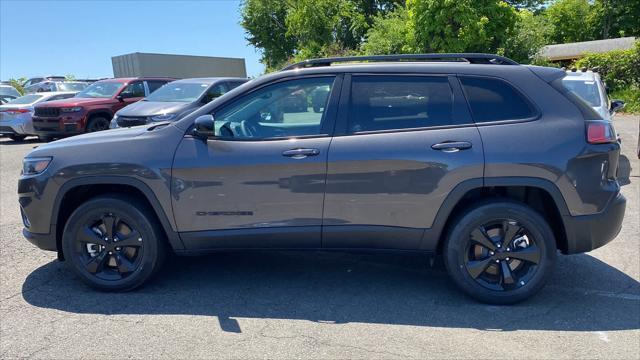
<point x="460" y="25"/>
<point x="17" y="84"/>
<point x="570" y="21"/>
<point x="530" y="34"/>
<point x="615" y="18"/>
<point x="388" y="34"/>
<point x="266" y="29"/>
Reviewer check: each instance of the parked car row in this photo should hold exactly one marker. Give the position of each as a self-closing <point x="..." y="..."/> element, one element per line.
<point x="104" y="104"/>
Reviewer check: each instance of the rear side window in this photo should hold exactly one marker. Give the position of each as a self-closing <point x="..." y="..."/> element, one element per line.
<point x="154" y="85"/>
<point x="399" y="102"/>
<point x="495" y="100"/>
<point x="587" y="111"/>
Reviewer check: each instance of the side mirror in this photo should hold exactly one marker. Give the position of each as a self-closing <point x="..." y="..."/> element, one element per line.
<point x="203" y="127"/>
<point x="120" y="98"/>
<point x="616" y="105"/>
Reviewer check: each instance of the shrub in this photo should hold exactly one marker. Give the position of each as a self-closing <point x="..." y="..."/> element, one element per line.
<point x="620" y="69"/>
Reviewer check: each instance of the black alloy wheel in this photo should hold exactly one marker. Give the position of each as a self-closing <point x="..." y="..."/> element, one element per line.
<point x="98" y="123"/>
<point x="114" y="242"/>
<point x="502" y="255"/>
<point x="500" y="251"/>
<point x="108" y="247"/>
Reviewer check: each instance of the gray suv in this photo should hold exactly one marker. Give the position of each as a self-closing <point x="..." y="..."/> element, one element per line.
<point x="493" y="165"/>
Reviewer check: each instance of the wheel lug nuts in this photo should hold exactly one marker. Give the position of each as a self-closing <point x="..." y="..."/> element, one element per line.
<point x="497" y="261"/>
<point x="508" y="249"/>
<point x="118" y="248"/>
<point x="499" y="245"/>
<point x="492" y="253"/>
<point x="139" y="239"/>
<point x="507" y="259"/>
<point x="110" y="252"/>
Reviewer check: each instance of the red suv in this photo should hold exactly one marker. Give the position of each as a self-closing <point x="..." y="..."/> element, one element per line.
<point x="91" y="109"/>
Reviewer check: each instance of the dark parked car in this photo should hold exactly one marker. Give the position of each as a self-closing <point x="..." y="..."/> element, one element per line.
<point x="174" y="100"/>
<point x="92" y="108"/>
<point x="493" y="165"/>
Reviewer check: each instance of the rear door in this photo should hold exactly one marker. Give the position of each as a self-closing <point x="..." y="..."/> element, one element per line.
<point x="402" y="143"/>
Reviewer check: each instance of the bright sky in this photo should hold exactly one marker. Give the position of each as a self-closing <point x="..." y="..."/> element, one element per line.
<point x="80" y="37"/>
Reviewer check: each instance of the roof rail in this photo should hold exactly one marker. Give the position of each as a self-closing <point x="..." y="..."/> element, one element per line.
<point x="472" y="58"/>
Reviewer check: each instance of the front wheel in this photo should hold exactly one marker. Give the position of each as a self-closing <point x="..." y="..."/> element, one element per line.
<point x="98" y="123"/>
<point x="500" y="252"/>
<point x="17" y="137"/>
<point x="113" y="243"/>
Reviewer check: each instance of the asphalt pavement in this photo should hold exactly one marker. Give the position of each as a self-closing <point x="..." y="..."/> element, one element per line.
<point x="315" y="304"/>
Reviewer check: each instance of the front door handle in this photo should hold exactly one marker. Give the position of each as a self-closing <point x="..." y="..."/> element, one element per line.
<point x="452" y="146"/>
<point x="300" y="153"/>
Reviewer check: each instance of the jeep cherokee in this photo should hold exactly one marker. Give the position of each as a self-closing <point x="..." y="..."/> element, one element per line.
<point x="92" y="108"/>
<point x="494" y="165"/>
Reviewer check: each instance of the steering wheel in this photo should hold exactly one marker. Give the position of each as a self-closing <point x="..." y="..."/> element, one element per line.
<point x="246" y="129"/>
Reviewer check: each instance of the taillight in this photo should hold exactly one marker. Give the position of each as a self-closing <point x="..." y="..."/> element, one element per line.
<point x="600" y="132"/>
<point x="16" y="111"/>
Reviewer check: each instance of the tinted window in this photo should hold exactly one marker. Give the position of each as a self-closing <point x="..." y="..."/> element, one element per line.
<point x="215" y="92"/>
<point x="133" y="90"/>
<point x="155" y="85"/>
<point x="279" y="110"/>
<point x="399" y="102"/>
<point x="234" y="84"/>
<point x="495" y="100"/>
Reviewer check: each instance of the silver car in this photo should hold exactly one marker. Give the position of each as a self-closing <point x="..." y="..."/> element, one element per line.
<point x="589" y="86"/>
<point x="49" y="85"/>
<point x="7" y="93"/>
<point x="15" y="116"/>
<point x="174" y="100"/>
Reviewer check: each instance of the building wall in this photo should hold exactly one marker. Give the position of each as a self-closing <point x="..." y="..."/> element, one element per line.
<point x="176" y="66"/>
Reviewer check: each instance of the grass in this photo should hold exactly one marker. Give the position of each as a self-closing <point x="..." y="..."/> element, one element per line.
<point x="631" y="96"/>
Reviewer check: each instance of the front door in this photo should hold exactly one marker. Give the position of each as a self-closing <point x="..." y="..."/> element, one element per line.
<point x="260" y="182"/>
<point x="406" y="142"/>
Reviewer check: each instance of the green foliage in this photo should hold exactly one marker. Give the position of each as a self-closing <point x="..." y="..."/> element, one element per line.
<point x="620" y="69"/>
<point x="69" y="77"/>
<point x="530" y="34"/>
<point x="459" y="25"/>
<point x="631" y="96"/>
<point x="569" y="18"/>
<point x="17" y="84"/>
<point x="615" y="18"/>
<point x="388" y="34"/>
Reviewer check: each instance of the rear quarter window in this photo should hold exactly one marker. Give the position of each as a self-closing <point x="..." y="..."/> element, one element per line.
<point x="495" y="100"/>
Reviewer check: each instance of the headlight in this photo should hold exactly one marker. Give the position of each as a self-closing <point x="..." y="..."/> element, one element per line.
<point x="35" y="165"/>
<point x="71" y="109"/>
<point x="163" y="117"/>
<point x="114" y="122"/>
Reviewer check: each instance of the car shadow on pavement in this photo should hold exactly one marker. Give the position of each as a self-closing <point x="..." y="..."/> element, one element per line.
<point x="584" y="294"/>
<point x="624" y="170"/>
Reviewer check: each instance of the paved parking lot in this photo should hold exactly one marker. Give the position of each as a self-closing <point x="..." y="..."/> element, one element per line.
<point x="316" y="305"/>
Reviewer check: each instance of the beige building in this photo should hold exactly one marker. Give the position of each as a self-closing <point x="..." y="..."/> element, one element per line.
<point x="572" y="51"/>
<point x="176" y="66"/>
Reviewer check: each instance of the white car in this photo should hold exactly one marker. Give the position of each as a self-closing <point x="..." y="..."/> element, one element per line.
<point x="589" y="86"/>
<point x="15" y="116"/>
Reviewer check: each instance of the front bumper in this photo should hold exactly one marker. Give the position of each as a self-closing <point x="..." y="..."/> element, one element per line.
<point x="43" y="241"/>
<point x="589" y="232"/>
<point x="58" y="126"/>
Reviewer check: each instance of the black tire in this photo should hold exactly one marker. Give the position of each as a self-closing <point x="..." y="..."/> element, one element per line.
<point x="17" y="137"/>
<point x="502" y="275"/>
<point x="101" y="264"/>
<point x="98" y="123"/>
<point x="45" y="138"/>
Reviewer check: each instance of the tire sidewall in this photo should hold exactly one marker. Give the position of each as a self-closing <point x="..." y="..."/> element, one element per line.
<point x="458" y="238"/>
<point x="94" y="119"/>
<point x="131" y="215"/>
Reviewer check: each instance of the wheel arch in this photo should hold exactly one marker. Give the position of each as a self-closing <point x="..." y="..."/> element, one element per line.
<point x="540" y="194"/>
<point x="77" y="191"/>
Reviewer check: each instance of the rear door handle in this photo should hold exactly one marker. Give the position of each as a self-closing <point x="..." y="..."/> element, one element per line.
<point x="300" y="153"/>
<point x="452" y="146"/>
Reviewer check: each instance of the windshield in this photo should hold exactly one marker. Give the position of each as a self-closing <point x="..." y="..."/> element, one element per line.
<point x="8" y="90"/>
<point x="587" y="90"/>
<point x="79" y="86"/>
<point x="178" y="91"/>
<point x="27" y="99"/>
<point x="104" y="89"/>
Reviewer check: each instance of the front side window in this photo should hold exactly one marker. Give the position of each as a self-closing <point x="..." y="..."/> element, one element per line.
<point x="399" y="102"/>
<point x="495" y="100"/>
<point x="100" y="89"/>
<point x="133" y="90"/>
<point x="214" y="92"/>
<point x="279" y="110"/>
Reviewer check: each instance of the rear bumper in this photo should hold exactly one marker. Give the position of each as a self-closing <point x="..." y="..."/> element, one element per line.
<point x="589" y="232"/>
<point x="43" y="241"/>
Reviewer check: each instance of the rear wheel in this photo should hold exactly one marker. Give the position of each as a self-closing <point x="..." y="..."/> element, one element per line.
<point x="113" y="243"/>
<point x="98" y="123"/>
<point x="500" y="252"/>
<point x="17" y="137"/>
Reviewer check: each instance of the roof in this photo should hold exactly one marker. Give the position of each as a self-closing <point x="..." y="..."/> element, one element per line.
<point x="578" y="49"/>
<point x="209" y="80"/>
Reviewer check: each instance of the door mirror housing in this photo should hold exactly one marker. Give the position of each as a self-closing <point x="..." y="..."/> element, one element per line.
<point x="616" y="105"/>
<point x="203" y="127"/>
<point x="120" y="98"/>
